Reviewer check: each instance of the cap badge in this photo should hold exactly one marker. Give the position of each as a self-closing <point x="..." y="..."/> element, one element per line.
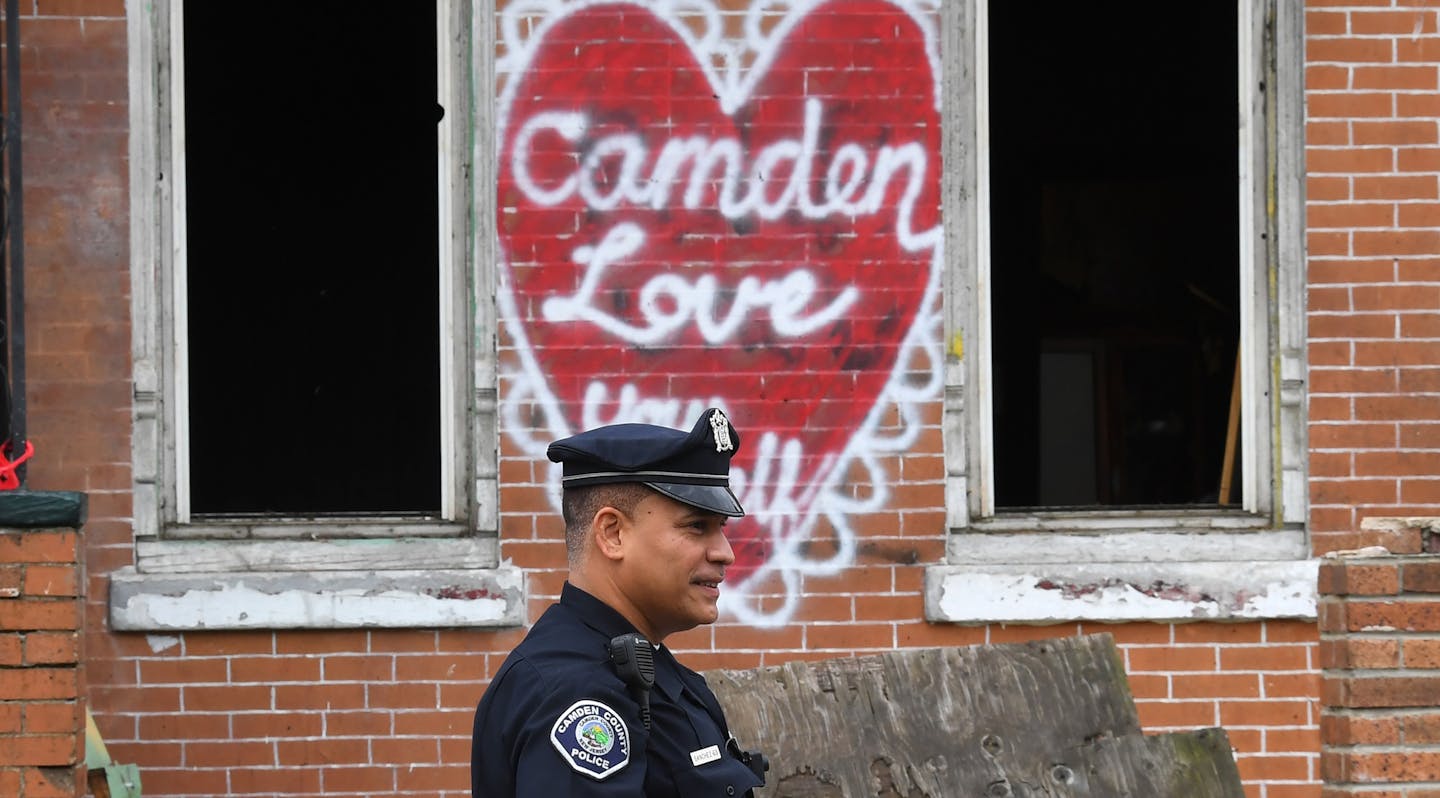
<point x="721" y="425"/>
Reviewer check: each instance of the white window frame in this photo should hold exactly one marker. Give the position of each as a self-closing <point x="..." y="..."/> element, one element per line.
<point x="188" y="575"/>
<point x="1030" y="567"/>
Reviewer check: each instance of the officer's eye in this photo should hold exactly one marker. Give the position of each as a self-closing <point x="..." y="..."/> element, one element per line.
<point x="702" y="524"/>
<point x="697" y="525"/>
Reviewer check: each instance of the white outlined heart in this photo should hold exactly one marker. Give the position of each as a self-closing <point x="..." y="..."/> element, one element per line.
<point x="532" y="411"/>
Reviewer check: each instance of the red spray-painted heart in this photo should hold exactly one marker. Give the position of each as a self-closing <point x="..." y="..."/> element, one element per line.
<point x="672" y="241"/>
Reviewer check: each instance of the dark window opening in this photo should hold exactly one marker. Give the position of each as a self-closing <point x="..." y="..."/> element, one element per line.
<point x="312" y="259"/>
<point x="1115" y="245"/>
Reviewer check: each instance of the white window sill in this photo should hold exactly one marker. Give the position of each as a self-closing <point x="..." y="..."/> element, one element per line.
<point x="334" y="584"/>
<point x="1045" y="578"/>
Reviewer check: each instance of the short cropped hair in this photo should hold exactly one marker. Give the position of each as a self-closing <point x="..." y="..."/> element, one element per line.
<point x="578" y="506"/>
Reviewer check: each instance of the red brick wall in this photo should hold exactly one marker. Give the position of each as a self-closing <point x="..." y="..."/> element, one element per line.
<point x="73" y="69"/>
<point x="42" y="684"/>
<point x="1373" y="160"/>
<point x="388" y="712"/>
<point x="1380" y="648"/>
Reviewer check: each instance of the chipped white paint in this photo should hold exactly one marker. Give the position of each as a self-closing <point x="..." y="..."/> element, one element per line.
<point x="1360" y="553"/>
<point x="1136" y="546"/>
<point x="1395" y="524"/>
<point x="160" y="643"/>
<point x="1175" y="591"/>
<point x="398" y="599"/>
<point x="339" y="554"/>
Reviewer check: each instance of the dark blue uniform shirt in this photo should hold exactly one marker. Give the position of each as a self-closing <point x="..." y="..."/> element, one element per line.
<point x="558" y="722"/>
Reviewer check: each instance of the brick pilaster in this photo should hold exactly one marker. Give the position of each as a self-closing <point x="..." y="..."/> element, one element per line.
<point x="42" y="708"/>
<point x="1380" y="651"/>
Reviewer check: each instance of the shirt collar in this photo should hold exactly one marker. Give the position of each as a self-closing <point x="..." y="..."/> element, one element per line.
<point x="667" y="673"/>
<point x="595" y="613"/>
<point x="603" y="618"/>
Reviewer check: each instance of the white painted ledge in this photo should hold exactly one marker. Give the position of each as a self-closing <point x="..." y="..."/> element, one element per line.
<point x="492" y="597"/>
<point x="1059" y="593"/>
<point x="326" y="554"/>
<point x="1125" y="545"/>
<point x="1040" y="578"/>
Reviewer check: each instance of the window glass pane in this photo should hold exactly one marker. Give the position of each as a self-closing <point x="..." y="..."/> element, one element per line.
<point x="1115" y="251"/>
<point x="313" y="296"/>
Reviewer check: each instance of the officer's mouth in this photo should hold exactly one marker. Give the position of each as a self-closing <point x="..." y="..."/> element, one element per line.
<point x="709" y="586"/>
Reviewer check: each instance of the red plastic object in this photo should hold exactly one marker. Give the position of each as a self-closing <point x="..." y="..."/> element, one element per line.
<point x="8" y="479"/>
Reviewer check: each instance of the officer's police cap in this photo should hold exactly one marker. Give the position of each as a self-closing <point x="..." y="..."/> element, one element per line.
<point x="691" y="467"/>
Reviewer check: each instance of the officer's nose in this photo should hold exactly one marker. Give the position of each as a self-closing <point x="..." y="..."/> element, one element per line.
<point x="722" y="551"/>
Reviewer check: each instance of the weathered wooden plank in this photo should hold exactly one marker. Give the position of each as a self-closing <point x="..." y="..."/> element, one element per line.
<point x="1052" y="718"/>
<point x="1196" y="764"/>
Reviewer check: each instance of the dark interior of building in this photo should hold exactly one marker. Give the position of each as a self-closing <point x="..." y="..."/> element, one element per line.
<point x="1115" y="252"/>
<point x="312" y="259"/>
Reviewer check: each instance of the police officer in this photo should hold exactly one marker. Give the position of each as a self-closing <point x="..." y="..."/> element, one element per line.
<point x="591" y="703"/>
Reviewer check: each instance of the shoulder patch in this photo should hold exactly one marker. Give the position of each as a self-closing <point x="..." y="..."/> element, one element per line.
<point x="592" y="738"/>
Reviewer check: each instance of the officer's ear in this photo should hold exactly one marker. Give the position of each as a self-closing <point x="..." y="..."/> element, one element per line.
<point x="608" y="528"/>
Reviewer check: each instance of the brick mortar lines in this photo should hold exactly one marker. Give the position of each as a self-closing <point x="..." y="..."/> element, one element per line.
<point x="1377" y="748"/>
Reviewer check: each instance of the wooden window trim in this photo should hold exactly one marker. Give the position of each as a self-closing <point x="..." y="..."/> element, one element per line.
<point x="1181" y="545"/>
<point x="294" y="561"/>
